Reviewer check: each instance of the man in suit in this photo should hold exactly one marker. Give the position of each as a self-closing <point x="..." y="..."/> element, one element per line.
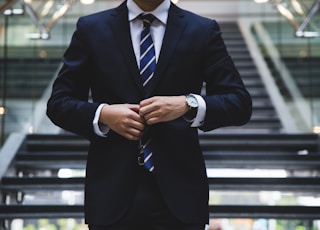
<point x="99" y="94"/>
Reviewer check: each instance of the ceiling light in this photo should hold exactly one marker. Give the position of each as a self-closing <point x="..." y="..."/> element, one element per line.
<point x="87" y="2"/>
<point x="2" y="110"/>
<point x="316" y="129"/>
<point x="285" y="12"/>
<point x="261" y="1"/>
<point x="46" y="8"/>
<point x="13" y="12"/>
<point x="297" y="7"/>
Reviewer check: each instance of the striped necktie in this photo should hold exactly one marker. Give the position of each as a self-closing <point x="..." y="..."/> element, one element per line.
<point x="147" y="68"/>
<point x="147" y="53"/>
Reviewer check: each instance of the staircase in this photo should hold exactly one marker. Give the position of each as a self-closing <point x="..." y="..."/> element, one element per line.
<point x="32" y="186"/>
<point x="306" y="72"/>
<point x="264" y="117"/>
<point x="26" y="81"/>
<point x="27" y="78"/>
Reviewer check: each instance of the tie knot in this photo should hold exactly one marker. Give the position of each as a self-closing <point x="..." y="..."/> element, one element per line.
<point x="147" y="19"/>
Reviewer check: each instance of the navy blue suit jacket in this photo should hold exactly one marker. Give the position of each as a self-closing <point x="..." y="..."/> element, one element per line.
<point x="100" y="63"/>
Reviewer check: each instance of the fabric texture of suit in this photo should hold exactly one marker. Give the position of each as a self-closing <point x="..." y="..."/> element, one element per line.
<point x="100" y="63"/>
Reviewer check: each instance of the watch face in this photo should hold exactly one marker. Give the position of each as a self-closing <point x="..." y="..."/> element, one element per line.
<point x="192" y="101"/>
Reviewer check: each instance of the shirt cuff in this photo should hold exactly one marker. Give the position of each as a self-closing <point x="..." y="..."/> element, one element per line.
<point x="199" y="119"/>
<point x="99" y="129"/>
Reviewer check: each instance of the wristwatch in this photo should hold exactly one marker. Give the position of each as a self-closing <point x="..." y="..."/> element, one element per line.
<point x="193" y="105"/>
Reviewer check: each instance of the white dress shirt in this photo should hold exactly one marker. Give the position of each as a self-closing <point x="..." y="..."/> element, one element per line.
<point x="157" y="31"/>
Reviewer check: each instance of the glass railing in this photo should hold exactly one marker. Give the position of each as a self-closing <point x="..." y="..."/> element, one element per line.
<point x="28" y="61"/>
<point x="33" y="37"/>
<point x="290" y="44"/>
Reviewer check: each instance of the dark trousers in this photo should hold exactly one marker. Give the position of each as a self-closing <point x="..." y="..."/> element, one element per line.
<point x="148" y="211"/>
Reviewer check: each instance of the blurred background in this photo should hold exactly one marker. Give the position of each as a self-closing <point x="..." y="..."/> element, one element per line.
<point x="263" y="176"/>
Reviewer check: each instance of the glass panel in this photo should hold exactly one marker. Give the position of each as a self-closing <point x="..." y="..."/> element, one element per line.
<point x="28" y="64"/>
<point x="33" y="37"/>
<point x="263" y="224"/>
<point x="290" y="44"/>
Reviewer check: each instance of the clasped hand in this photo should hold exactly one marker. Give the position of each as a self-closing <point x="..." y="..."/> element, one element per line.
<point x="129" y="120"/>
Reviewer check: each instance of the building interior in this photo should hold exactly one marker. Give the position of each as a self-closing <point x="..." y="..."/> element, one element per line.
<point x="264" y="175"/>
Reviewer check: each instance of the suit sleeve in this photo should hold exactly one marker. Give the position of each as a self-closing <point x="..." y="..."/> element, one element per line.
<point x="68" y="105"/>
<point x="228" y="102"/>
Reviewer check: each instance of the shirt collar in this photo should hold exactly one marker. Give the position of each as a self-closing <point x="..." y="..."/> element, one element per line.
<point x="161" y="12"/>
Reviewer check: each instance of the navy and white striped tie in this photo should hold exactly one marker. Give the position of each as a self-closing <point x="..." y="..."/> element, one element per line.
<point x="147" y="52"/>
<point x="147" y="68"/>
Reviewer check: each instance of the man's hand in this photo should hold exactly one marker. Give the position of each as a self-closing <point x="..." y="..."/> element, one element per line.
<point x="162" y="108"/>
<point x="124" y="119"/>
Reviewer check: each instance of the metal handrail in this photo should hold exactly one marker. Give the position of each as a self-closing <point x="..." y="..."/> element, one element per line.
<point x="9" y="150"/>
<point x="299" y="28"/>
<point x="300" y="31"/>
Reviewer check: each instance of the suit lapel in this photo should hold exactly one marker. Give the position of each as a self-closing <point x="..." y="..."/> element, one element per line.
<point x="121" y="29"/>
<point x="173" y="33"/>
